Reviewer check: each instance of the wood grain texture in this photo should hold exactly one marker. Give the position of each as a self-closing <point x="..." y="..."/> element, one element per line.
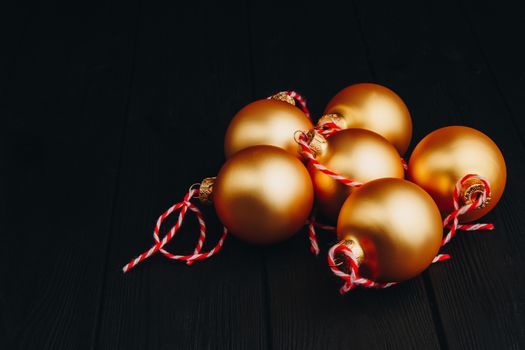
<point x="192" y="75"/>
<point x="62" y="119"/>
<point x="318" y="51"/>
<point x="477" y="293"/>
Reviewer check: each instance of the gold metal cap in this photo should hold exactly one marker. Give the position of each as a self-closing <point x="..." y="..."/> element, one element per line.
<point x="471" y="190"/>
<point x="283" y="96"/>
<point x="206" y="190"/>
<point x="356" y="250"/>
<point x="316" y="142"/>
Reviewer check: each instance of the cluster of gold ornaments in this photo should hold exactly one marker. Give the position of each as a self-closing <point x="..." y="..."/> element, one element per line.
<point x="265" y="192"/>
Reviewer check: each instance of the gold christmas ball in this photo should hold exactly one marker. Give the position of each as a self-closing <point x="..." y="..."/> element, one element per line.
<point x="445" y="155"/>
<point x="376" y="108"/>
<point x="266" y="122"/>
<point x="357" y="154"/>
<point x="394" y="228"/>
<point x="263" y="194"/>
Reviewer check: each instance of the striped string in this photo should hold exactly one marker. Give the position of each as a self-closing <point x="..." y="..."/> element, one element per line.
<point x="327" y="128"/>
<point x="352" y="278"/>
<point x="160" y="243"/>
<point x="312" y="235"/>
<point x="302" y="140"/>
<point x="452" y="220"/>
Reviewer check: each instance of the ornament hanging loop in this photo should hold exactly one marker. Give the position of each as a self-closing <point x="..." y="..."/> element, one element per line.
<point x="352" y="255"/>
<point x="473" y="191"/>
<point x="345" y="258"/>
<point x="183" y="206"/>
<point x="331" y="123"/>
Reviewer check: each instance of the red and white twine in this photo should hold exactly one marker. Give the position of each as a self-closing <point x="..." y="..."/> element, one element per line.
<point x="327" y="128"/>
<point x="352" y="278"/>
<point x="312" y="235"/>
<point x="452" y="220"/>
<point x="302" y="140"/>
<point x="160" y="243"/>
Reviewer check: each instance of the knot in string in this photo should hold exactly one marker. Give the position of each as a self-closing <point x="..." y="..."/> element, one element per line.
<point x="184" y="205"/>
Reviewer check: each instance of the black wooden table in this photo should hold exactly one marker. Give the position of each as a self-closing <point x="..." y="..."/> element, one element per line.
<point x="109" y="111"/>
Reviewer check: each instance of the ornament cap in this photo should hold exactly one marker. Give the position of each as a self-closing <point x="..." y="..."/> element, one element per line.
<point x="284" y="97"/>
<point x="334" y="118"/>
<point x="353" y="245"/>
<point x="316" y="142"/>
<point x="206" y="190"/>
<point x="472" y="189"/>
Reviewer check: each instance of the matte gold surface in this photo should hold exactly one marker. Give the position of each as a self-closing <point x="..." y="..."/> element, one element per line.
<point x="376" y="108"/>
<point x="358" y="154"/>
<point x="266" y="122"/>
<point x="263" y="194"/>
<point x="444" y="156"/>
<point x="396" y="224"/>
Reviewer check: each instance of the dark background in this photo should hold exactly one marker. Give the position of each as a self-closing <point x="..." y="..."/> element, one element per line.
<point x="110" y="110"/>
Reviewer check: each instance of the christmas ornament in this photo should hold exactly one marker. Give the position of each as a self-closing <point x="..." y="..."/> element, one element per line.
<point x="271" y="121"/>
<point x="389" y="230"/>
<point x="262" y="194"/>
<point x="444" y="157"/>
<point x="372" y="107"/>
<point x="358" y="154"/>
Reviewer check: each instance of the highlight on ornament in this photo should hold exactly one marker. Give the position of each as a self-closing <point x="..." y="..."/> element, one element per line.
<point x="373" y="107"/>
<point x="282" y="170"/>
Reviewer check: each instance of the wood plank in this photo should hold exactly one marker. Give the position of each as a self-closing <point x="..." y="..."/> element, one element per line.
<point x="62" y="120"/>
<point x="430" y="48"/>
<point x="317" y="49"/>
<point x="192" y="75"/>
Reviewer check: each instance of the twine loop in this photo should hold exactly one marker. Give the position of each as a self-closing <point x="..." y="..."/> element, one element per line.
<point x="183" y="206"/>
<point x="452" y="220"/>
<point x="327" y="128"/>
<point x="352" y="278"/>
